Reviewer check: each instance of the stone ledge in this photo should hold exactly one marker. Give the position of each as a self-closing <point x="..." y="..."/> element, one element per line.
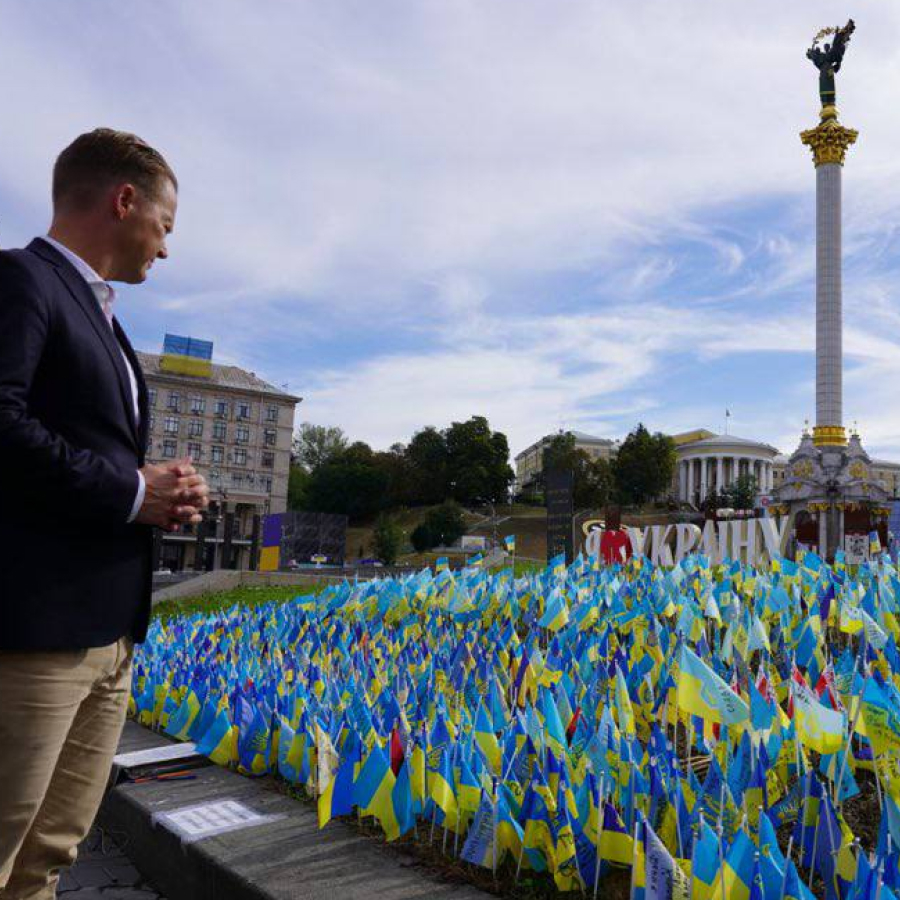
<point x="290" y="859"/>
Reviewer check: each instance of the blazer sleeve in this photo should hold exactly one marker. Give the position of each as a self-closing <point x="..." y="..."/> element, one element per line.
<point x="58" y="473"/>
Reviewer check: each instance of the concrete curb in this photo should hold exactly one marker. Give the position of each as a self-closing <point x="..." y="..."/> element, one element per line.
<point x="226" y="579"/>
<point x="289" y="859"/>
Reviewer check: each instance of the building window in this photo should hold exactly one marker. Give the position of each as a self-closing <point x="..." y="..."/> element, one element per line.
<point x="241" y="434"/>
<point x="219" y="430"/>
<point x="268" y="459"/>
<point x="239" y="456"/>
<point x="170" y="448"/>
<point x="198" y="405"/>
<point x="222" y="409"/>
<point x="266" y="483"/>
<point x="151" y="396"/>
<point x="270" y="435"/>
<point x="237" y="479"/>
<point x="217" y="454"/>
<point x="172" y="424"/>
<point x="243" y="410"/>
<point x="195" y="428"/>
<point x="174" y="403"/>
<point x="152" y="421"/>
<point x="272" y="413"/>
<point x="194" y="451"/>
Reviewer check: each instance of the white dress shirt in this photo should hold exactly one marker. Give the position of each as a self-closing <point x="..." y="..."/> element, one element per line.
<point x="105" y="295"/>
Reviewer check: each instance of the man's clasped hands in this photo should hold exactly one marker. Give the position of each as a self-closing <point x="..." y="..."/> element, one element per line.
<point x="175" y="495"/>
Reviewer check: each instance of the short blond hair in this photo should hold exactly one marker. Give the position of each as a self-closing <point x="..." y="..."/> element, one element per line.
<point x="103" y="156"/>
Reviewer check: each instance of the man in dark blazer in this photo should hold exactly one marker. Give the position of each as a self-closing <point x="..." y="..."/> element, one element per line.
<point x="78" y="502"/>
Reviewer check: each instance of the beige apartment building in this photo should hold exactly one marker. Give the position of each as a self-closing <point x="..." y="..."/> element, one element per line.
<point x="237" y="429"/>
<point x="530" y="462"/>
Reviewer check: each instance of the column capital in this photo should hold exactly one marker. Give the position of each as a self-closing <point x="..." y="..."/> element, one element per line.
<point x="829" y="140"/>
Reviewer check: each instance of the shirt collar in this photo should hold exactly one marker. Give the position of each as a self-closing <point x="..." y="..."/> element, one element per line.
<point x="103" y="291"/>
<point x="84" y="270"/>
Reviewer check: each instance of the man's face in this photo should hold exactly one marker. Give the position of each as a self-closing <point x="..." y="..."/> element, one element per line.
<point x="145" y="222"/>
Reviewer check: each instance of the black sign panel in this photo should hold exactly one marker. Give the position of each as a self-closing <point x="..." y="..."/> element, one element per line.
<point x="558" y="485"/>
<point x="308" y="534"/>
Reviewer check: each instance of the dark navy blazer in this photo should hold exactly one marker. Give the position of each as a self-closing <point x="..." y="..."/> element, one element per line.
<point x="73" y="573"/>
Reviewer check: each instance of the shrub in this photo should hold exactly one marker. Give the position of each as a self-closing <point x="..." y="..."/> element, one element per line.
<point x="387" y="538"/>
<point x="421" y="538"/>
<point x="442" y="526"/>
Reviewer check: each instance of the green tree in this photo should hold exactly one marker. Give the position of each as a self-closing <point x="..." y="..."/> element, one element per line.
<point x="741" y="493"/>
<point x="644" y="466"/>
<point x="713" y="501"/>
<point x="349" y="482"/>
<point x="393" y="464"/>
<point x="427" y="465"/>
<point x="298" y="486"/>
<point x="387" y="539"/>
<point x="314" y="445"/>
<point x="593" y="478"/>
<point x="477" y="462"/>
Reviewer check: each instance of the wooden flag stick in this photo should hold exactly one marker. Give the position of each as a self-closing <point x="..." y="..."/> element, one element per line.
<point x="494" y="828"/>
<point x="787" y="860"/>
<point x="815" y="846"/>
<point x="634" y="847"/>
<point x="599" y="832"/>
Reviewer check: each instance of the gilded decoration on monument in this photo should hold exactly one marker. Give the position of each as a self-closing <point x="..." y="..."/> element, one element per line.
<point x="829" y="436"/>
<point x="802" y="469"/>
<point x="858" y="470"/>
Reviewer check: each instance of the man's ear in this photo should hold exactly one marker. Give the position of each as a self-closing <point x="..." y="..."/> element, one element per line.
<point x="124" y="199"/>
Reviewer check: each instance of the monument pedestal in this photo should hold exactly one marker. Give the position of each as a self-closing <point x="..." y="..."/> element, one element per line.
<point x="824" y="487"/>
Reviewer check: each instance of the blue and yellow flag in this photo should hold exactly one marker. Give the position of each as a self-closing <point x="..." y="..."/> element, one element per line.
<point x="702" y="693"/>
<point x="616" y="845"/>
<point x="220" y="742"/>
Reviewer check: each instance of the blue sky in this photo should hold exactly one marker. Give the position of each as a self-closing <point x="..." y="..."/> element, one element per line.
<point x="578" y="215"/>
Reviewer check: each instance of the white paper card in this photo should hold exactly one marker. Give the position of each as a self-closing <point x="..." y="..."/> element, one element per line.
<point x="207" y="819"/>
<point x="165" y="753"/>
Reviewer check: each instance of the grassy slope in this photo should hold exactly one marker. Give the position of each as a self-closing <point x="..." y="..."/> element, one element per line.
<point x="242" y="596"/>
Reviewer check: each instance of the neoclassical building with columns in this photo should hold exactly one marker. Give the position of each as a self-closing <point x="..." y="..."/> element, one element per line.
<point x="708" y="462"/>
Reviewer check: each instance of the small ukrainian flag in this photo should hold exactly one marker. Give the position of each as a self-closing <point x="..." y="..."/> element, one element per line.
<point x="874" y="544"/>
<point x="557" y="564"/>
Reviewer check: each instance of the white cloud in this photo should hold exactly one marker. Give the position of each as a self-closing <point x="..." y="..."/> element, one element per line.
<point x="447" y="169"/>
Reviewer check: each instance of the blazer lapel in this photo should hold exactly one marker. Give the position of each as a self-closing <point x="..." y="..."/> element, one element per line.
<point x="85" y="298"/>
<point x="143" y="405"/>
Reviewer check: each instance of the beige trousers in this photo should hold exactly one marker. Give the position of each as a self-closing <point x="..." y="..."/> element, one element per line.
<point x="61" y="716"/>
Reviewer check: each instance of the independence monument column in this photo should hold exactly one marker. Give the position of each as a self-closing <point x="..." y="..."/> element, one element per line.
<point x="829" y="142"/>
<point x="830" y="490"/>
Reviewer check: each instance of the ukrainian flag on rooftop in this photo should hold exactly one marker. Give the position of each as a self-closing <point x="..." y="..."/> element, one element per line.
<point x="186" y="356"/>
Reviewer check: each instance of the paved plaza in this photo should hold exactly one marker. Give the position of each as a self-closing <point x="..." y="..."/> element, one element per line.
<point x="103" y="870"/>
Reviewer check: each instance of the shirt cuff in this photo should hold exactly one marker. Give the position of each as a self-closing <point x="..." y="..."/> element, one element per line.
<point x="139" y="497"/>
